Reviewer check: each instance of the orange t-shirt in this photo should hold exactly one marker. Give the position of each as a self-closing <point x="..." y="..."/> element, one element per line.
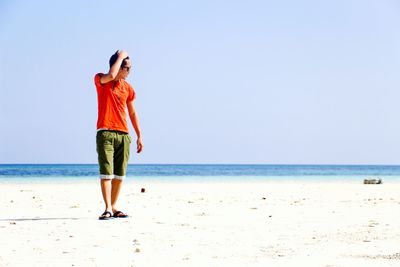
<point x="112" y="98"/>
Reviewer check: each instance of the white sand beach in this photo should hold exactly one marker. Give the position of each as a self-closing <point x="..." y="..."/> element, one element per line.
<point x="202" y="224"/>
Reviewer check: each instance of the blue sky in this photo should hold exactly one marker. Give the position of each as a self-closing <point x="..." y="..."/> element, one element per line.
<point x="274" y="82"/>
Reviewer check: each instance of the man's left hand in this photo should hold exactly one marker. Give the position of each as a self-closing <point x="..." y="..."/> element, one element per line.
<point x="139" y="144"/>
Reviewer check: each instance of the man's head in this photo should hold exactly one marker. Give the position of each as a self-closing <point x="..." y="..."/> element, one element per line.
<point x="125" y="65"/>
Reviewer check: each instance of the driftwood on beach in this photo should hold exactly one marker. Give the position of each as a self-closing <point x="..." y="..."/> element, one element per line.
<point x="373" y="181"/>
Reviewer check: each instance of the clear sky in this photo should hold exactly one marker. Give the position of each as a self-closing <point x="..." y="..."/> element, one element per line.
<point x="274" y="82"/>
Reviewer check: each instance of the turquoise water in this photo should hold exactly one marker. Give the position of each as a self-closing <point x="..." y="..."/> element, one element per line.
<point x="199" y="172"/>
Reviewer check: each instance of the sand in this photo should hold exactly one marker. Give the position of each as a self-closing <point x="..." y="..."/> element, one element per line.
<point x="202" y="224"/>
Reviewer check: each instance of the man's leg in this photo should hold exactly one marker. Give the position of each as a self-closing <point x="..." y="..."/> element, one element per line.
<point x="121" y="157"/>
<point x="107" y="195"/>
<point x="116" y="188"/>
<point x="105" y="152"/>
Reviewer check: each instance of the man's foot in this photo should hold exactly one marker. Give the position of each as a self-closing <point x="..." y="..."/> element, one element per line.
<point x="120" y="214"/>
<point x="106" y="216"/>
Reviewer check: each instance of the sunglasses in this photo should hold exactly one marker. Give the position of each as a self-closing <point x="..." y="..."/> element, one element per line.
<point x="127" y="68"/>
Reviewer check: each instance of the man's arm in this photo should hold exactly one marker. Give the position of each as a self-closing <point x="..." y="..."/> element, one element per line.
<point x="135" y="123"/>
<point x="112" y="73"/>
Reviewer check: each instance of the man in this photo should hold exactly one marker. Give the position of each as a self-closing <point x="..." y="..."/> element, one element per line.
<point x="114" y="95"/>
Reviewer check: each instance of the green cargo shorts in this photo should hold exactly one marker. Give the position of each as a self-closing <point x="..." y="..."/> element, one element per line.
<point x="113" y="153"/>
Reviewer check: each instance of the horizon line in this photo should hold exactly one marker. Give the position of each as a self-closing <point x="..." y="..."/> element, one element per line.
<point x="271" y="164"/>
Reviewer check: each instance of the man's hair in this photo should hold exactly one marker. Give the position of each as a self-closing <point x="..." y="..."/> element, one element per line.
<point x="114" y="58"/>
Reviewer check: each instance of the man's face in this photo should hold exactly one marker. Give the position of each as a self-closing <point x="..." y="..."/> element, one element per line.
<point x="124" y="71"/>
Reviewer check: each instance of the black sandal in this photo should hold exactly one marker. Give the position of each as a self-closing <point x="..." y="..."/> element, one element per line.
<point x="105" y="217"/>
<point x="120" y="214"/>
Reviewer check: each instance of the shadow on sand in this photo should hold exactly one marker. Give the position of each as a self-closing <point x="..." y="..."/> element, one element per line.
<point x="42" y="219"/>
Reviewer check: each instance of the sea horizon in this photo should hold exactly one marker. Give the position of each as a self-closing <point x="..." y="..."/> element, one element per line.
<point x="22" y="172"/>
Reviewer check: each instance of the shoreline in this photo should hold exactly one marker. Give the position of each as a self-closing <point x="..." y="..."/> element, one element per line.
<point x="203" y="179"/>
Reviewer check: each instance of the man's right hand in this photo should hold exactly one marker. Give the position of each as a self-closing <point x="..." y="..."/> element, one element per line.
<point x="122" y="54"/>
<point x="113" y="72"/>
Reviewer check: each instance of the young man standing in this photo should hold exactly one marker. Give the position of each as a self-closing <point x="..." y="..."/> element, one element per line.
<point x="114" y="95"/>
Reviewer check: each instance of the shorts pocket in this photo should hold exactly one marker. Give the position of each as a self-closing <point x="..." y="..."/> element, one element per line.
<point x="104" y="138"/>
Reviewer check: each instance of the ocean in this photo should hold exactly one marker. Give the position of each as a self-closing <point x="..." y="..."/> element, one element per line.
<point x="200" y="172"/>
